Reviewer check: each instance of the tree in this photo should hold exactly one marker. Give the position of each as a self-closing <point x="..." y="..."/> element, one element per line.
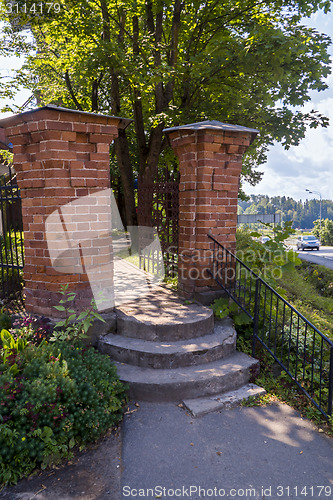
<point x="302" y="215"/>
<point x="325" y="234"/>
<point x="170" y="62"/>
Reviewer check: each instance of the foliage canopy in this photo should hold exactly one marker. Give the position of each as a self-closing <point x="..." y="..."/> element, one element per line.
<point x="163" y="63"/>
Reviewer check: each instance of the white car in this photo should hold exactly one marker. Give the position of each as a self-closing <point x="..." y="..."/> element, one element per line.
<point x="308" y="241"/>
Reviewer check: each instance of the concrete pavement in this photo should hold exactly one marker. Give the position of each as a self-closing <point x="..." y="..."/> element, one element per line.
<point x="258" y="452"/>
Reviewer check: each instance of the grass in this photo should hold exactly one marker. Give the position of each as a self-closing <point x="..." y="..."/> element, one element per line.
<point x="309" y="288"/>
<point x="132" y="259"/>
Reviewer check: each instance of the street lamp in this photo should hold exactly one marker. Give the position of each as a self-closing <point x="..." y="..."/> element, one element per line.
<point x="317" y="192"/>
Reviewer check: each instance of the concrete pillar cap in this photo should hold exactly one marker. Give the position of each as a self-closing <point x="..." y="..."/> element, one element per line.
<point x="214" y="125"/>
<point x="21" y="117"/>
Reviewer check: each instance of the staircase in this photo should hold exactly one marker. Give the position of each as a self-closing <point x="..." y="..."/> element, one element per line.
<point x="168" y="350"/>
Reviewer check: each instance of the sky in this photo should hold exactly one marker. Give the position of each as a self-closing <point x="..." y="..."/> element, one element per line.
<point x="310" y="164"/>
<point x="287" y="172"/>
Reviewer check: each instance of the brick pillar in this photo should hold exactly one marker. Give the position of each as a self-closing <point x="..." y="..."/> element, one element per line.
<point x="61" y="157"/>
<point x="210" y="162"/>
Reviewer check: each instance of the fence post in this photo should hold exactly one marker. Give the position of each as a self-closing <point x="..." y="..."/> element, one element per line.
<point x="210" y="162"/>
<point x="256" y="318"/>
<point x="330" y="389"/>
<point x="62" y="162"/>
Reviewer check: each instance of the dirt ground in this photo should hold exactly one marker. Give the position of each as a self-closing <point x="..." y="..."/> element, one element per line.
<point x="93" y="474"/>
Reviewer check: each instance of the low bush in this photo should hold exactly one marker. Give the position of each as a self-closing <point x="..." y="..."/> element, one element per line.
<point x="53" y="396"/>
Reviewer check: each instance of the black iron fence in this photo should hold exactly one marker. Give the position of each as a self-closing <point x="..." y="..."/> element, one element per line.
<point x="300" y="349"/>
<point x="11" y="236"/>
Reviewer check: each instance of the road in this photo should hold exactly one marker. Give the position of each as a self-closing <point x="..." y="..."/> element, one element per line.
<point x="324" y="257"/>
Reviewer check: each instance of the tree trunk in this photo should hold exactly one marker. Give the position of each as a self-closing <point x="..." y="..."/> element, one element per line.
<point x="126" y="175"/>
<point x="121" y="143"/>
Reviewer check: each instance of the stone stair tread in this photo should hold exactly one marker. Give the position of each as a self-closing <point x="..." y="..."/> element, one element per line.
<point x="169" y="353"/>
<point x="187" y="382"/>
<point x="201" y="406"/>
<point x="221" y="333"/>
<point x="237" y="361"/>
<point x="161" y="306"/>
<point x="162" y="313"/>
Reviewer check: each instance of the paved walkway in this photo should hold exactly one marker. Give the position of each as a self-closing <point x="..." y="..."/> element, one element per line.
<point x="259" y="452"/>
<point x="131" y="283"/>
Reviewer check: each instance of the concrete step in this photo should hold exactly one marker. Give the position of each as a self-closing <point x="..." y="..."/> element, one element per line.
<point x="202" y="406"/>
<point x="189" y="382"/>
<point x="172" y="354"/>
<point x="161" y="316"/>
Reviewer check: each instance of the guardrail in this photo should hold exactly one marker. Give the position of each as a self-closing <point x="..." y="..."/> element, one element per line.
<point x="300" y="349"/>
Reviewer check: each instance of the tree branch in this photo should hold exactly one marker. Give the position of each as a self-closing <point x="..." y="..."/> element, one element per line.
<point x="137" y="104"/>
<point x="70" y="90"/>
<point x="174" y="48"/>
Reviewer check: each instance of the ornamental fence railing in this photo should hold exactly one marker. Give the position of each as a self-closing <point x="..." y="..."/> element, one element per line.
<point x="300" y="349"/>
<point x="11" y="237"/>
<point x="158" y="207"/>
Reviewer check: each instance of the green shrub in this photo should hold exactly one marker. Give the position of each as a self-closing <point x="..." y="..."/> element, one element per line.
<point x="53" y="396"/>
<point x="269" y="260"/>
<point x="5" y="319"/>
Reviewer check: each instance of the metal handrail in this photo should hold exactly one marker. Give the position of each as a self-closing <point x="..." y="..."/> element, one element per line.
<point x="274" y="327"/>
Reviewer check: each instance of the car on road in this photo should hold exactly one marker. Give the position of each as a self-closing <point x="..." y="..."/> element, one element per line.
<point x="308" y="241"/>
<point x="264" y="239"/>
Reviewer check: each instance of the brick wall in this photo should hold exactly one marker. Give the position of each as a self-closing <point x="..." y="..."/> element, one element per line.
<point x="210" y="163"/>
<point x="61" y="156"/>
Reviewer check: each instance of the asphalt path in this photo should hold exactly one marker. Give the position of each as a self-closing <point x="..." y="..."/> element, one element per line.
<point x="323" y="257"/>
<point x="256" y="453"/>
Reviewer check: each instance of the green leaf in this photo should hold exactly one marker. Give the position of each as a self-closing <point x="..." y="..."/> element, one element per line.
<point x="21" y="344"/>
<point x="242" y="319"/>
<point x="7" y="339"/>
<point x="60" y="308"/>
<point x="60" y="323"/>
<point x="14" y="369"/>
<point x="47" y="433"/>
<point x="98" y="316"/>
<point x="86" y="324"/>
<point x="82" y="315"/>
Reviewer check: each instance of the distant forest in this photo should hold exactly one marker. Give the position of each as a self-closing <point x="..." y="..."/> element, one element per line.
<point x="301" y="213"/>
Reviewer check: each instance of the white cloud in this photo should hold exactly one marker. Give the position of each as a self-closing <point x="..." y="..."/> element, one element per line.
<point x="310" y="164"/>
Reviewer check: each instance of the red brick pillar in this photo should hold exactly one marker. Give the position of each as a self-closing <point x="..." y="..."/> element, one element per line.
<point x="62" y="162"/>
<point x="210" y="162"/>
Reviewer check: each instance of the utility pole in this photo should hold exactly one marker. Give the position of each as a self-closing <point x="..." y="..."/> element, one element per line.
<point x="317" y="192"/>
